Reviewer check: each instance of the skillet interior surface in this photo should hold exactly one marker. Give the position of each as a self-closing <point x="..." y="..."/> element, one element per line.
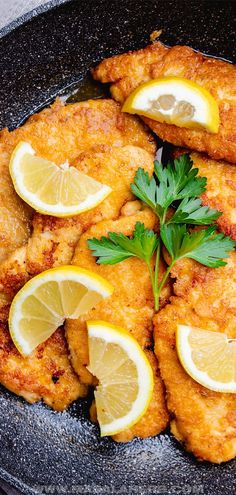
<point x="43" y="451"/>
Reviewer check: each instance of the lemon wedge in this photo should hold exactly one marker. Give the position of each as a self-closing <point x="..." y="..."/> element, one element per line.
<point x="124" y="373"/>
<point x="177" y="101"/>
<point x="44" y="302"/>
<point x="50" y="189"/>
<point x="208" y="357"/>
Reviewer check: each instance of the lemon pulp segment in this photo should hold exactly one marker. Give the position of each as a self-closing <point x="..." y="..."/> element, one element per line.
<point x="52" y="189"/>
<point x="177" y="101"/>
<point x="42" y="305"/>
<point x="208" y="357"/>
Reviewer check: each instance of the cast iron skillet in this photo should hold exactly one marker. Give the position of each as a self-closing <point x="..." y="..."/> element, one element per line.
<point x="43" y="451"/>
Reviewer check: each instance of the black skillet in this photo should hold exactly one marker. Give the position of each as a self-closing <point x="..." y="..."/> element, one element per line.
<point x="42" y="55"/>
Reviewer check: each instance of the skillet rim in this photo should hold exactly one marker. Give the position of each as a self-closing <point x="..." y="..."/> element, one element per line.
<point x="11" y="26"/>
<point x="12" y="480"/>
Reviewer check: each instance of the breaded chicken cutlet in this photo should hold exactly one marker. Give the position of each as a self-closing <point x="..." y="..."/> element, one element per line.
<point x="60" y="133"/>
<point x="127" y="71"/>
<point x="98" y="139"/>
<point x="131" y="306"/>
<point x="46" y="374"/>
<point x="220" y="191"/>
<point x="205" y="421"/>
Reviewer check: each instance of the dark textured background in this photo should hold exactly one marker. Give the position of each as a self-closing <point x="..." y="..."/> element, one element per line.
<point x="39" y="60"/>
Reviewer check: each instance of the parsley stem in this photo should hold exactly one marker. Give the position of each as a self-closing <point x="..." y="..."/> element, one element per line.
<point x="164" y="278"/>
<point x="156" y="274"/>
<point x="163" y="218"/>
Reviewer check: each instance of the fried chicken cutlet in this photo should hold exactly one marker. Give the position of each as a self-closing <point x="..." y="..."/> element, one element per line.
<point x="60" y="133"/>
<point x="63" y="133"/>
<point x="220" y="191"/>
<point x="127" y="71"/>
<point x="205" y="421"/>
<point x="45" y="375"/>
<point x="15" y="216"/>
<point x="131" y="306"/>
<point x="54" y="239"/>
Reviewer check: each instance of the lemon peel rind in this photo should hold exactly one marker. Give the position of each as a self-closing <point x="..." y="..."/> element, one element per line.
<point x="120" y="336"/>
<point x="90" y="280"/>
<point x="201" y="377"/>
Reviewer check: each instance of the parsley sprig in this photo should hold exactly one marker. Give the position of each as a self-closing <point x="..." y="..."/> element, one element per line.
<point x="118" y="247"/>
<point x="179" y="186"/>
<point x="177" y="183"/>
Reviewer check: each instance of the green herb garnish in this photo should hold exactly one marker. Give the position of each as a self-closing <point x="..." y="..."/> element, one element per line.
<point x="178" y="182"/>
<point x="179" y="186"/>
<point x="118" y="247"/>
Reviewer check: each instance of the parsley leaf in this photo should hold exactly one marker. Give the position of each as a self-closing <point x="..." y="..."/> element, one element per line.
<point x="191" y="211"/>
<point x="204" y="246"/>
<point x="172" y="183"/>
<point x="144" y="187"/>
<point x="178" y="180"/>
<point x="118" y="247"/>
<point x="107" y="252"/>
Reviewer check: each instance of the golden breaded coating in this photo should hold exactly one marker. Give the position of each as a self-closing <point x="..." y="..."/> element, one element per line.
<point x="13" y="275"/>
<point x="126" y="72"/>
<point x="205" y="421"/>
<point x="15" y="215"/>
<point x="46" y="374"/>
<point x="60" y="133"/>
<point x="221" y="190"/>
<point x="131" y="306"/>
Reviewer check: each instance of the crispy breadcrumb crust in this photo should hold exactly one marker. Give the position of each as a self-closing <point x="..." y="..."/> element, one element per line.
<point x="220" y="188"/>
<point x="46" y="374"/>
<point x="205" y="421"/>
<point x="127" y="71"/>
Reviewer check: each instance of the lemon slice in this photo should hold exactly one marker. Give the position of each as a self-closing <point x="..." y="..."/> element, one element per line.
<point x="208" y="357"/>
<point x="50" y="189"/>
<point x="175" y="100"/>
<point x="124" y="373"/>
<point x="44" y="302"/>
